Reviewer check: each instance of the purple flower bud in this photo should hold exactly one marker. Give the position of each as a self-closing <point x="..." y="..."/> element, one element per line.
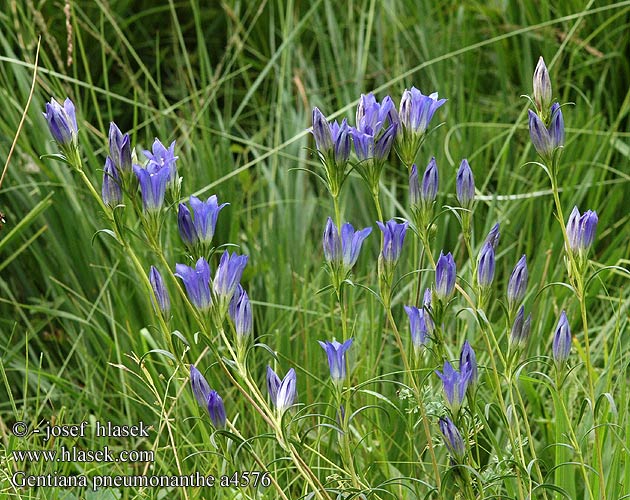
<point x="485" y="265"/>
<point x="216" y="409"/>
<point x="200" y="386"/>
<point x="186" y="225"/>
<point x="228" y="275"/>
<point x="453" y="439"/>
<point x="454" y="384"/>
<point x="119" y="148"/>
<point x="517" y="284"/>
<point x="414" y="187"/>
<point x="240" y="311"/>
<point x="542" y="87"/>
<point x="336" y="353"/>
<point x="417" y="110"/>
<point x="520" y="328"/>
<point x="383" y="145"/>
<point x="417" y="326"/>
<point x="581" y="229"/>
<point x="556" y="129"/>
<point x="468" y="364"/>
<point x="429" y="188"/>
<point x="465" y="185"/>
<point x="493" y="236"/>
<point x="62" y="122"/>
<point x="153" y="180"/>
<point x="111" y="190"/>
<point x="562" y="341"/>
<point x="281" y="392"/>
<point x="197" y="283"/>
<point x="332" y="243"/>
<point x="445" y="274"/>
<point x="160" y="291"/>
<point x="321" y="132"/>
<point x="393" y="238"/>
<point x="341" y="141"/>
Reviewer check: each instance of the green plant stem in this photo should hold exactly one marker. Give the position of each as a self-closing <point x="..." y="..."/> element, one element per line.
<point x="578" y="285"/>
<point x="418" y="394"/>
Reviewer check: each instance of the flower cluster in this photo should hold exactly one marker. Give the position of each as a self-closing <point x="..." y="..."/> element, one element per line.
<point x="546" y="124"/>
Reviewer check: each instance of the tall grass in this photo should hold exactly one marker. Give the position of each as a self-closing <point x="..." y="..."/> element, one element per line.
<point x="234" y="84"/>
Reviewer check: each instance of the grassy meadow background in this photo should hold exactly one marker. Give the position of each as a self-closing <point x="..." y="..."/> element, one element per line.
<point x="234" y="84"/>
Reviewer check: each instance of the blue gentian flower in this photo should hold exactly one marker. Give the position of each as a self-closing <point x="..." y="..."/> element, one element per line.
<point x="197" y="282"/>
<point x="62" y="123"/>
<point x="562" y="341"/>
<point x="120" y="149"/>
<point x="465" y="184"/>
<point x="393" y="238"/>
<point x="453" y="439"/>
<point x="467" y="357"/>
<point x="517" y="284"/>
<point x="216" y="409"/>
<point x="493" y="236"/>
<point x="445" y="275"/>
<point x="485" y="265"/>
<point x="160" y="157"/>
<point x="201" y="227"/>
<point x="455" y="384"/>
<point x="417" y="110"/>
<point x="429" y="187"/>
<point x="372" y="137"/>
<point x="581" y="229"/>
<point x="240" y="311"/>
<point x="336" y="353"/>
<point x="520" y="328"/>
<point x="331" y="139"/>
<point x="186" y="226"/>
<point x="343" y="250"/>
<point x="200" y="386"/>
<point x="111" y="190"/>
<point x="228" y="275"/>
<point x="153" y="181"/>
<point x="418" y="327"/>
<point x="160" y="291"/>
<point x="547" y="140"/>
<point x="281" y="392"/>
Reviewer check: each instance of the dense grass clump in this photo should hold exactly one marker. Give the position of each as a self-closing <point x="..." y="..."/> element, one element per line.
<point x="420" y="356"/>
